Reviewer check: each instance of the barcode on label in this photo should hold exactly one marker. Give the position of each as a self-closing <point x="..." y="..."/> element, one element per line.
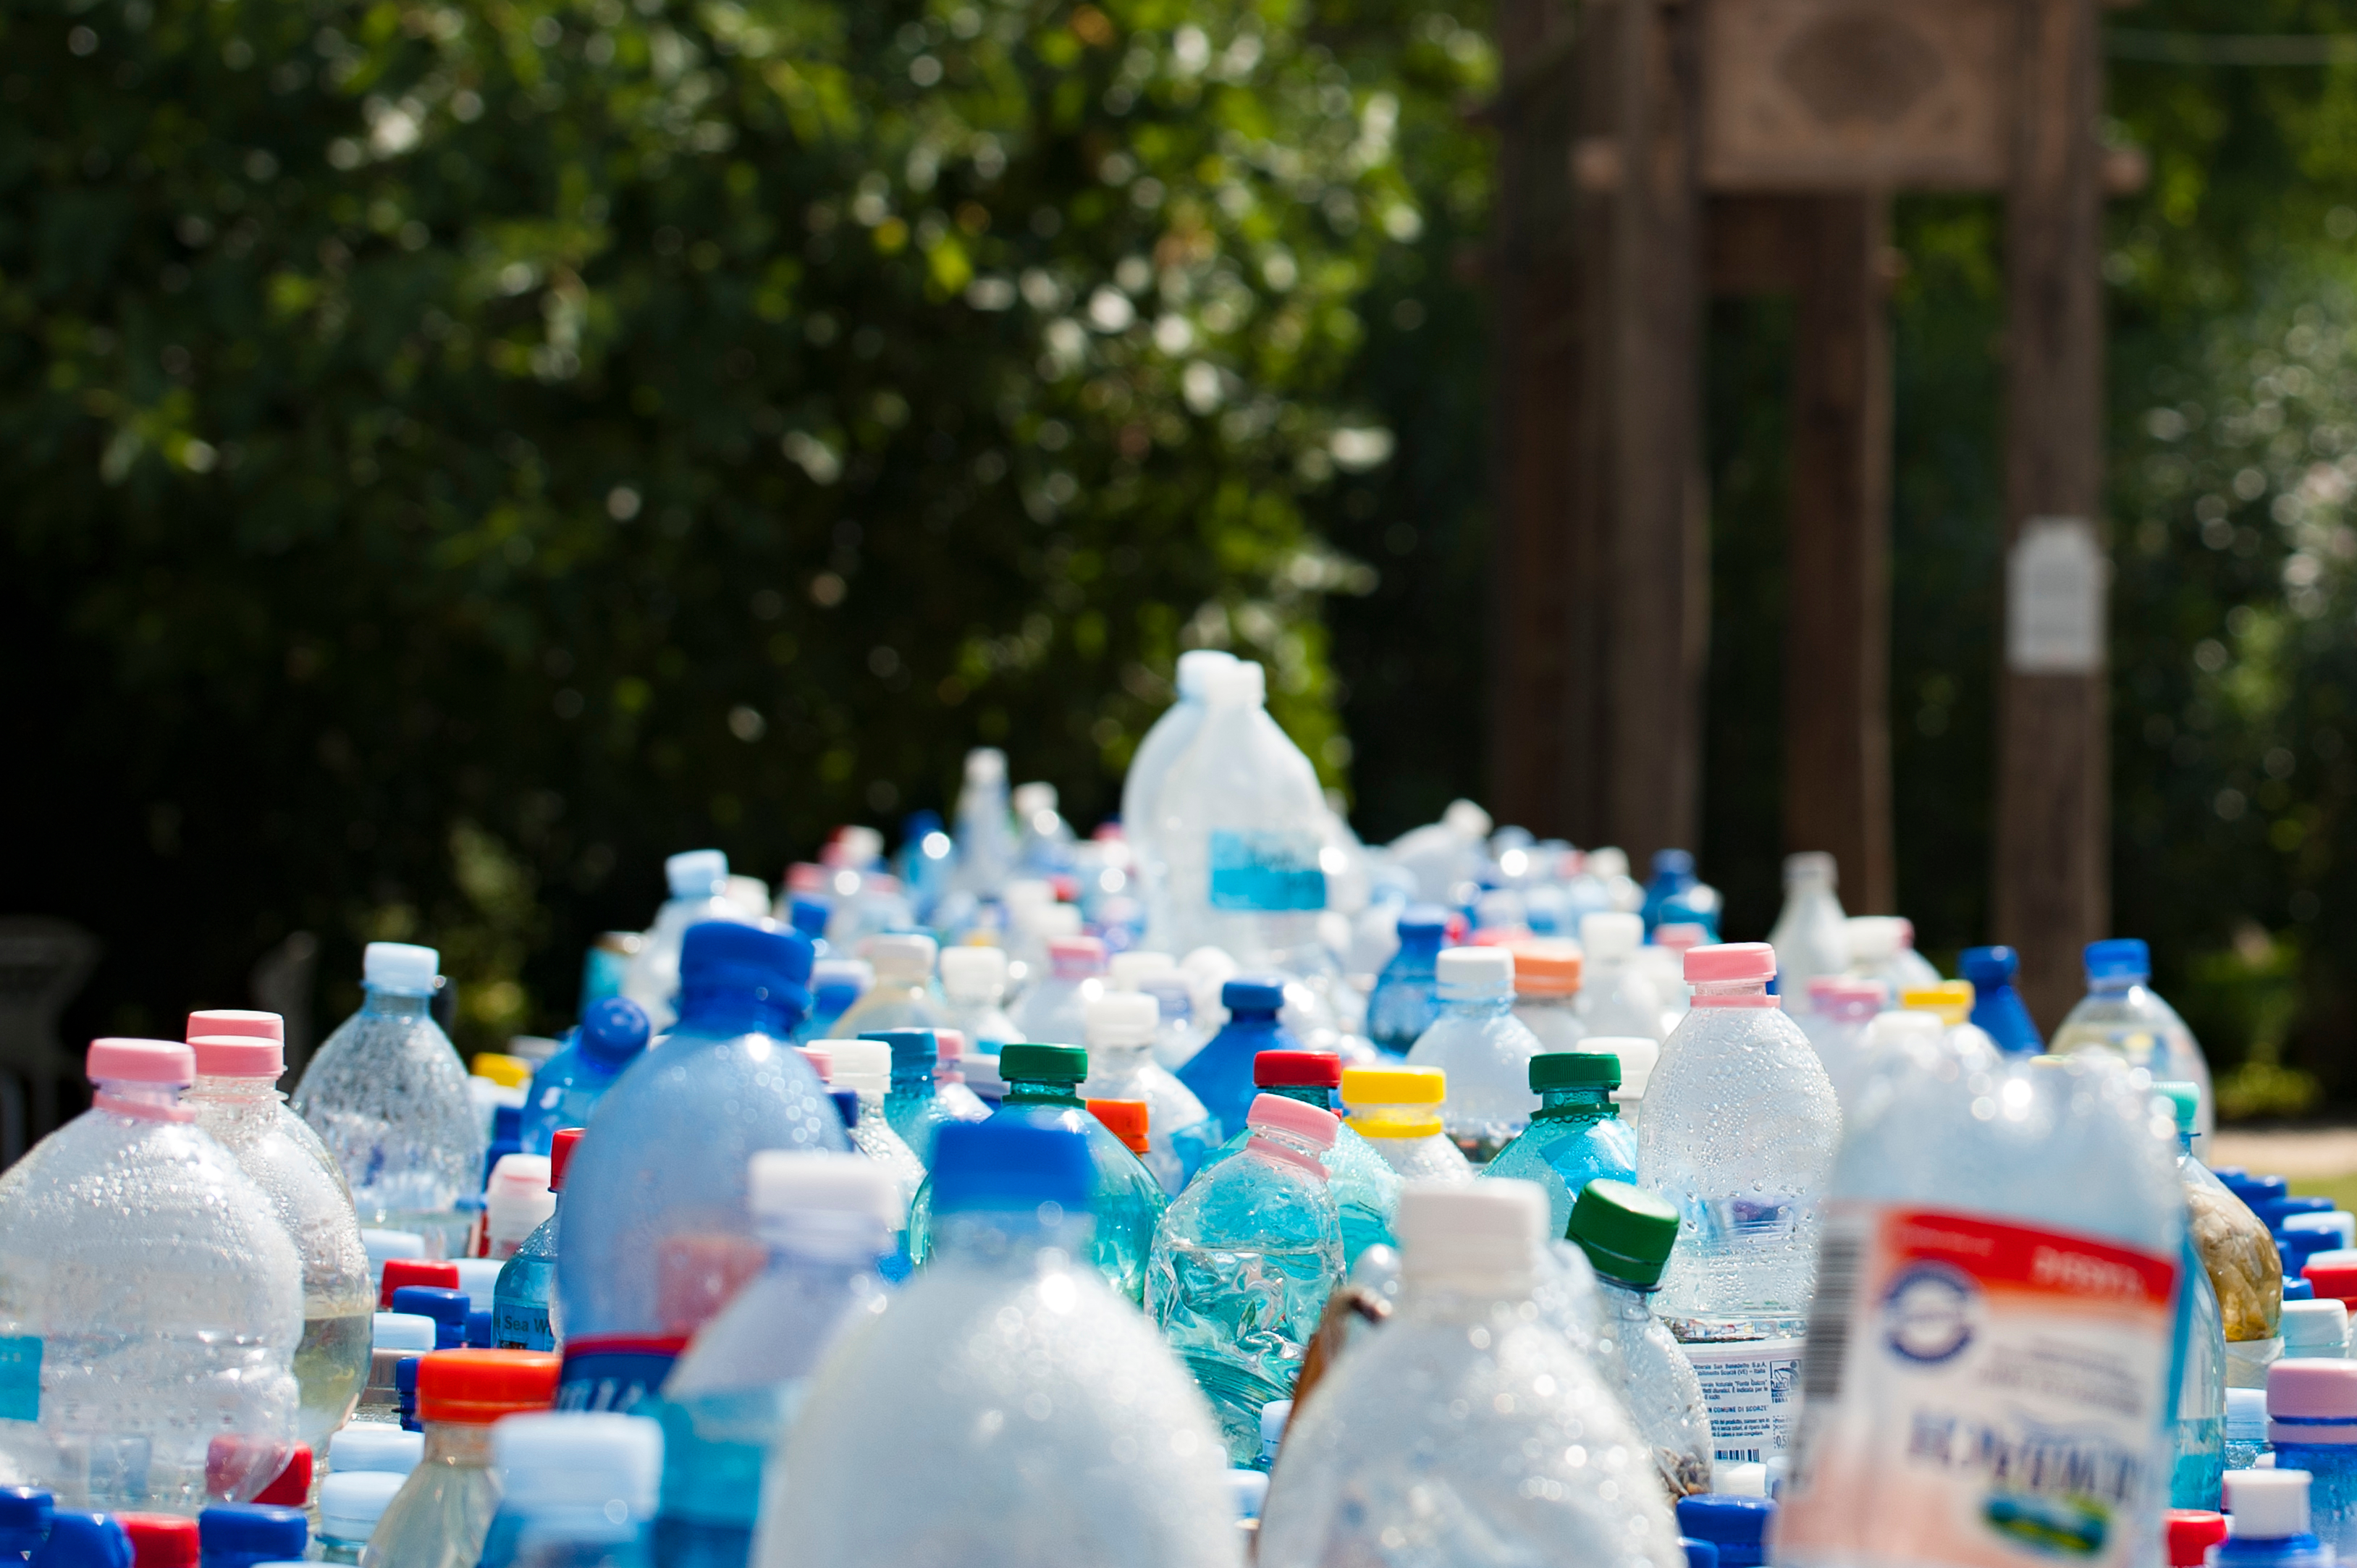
<point x="1826" y="1350"/>
<point x="1737" y="1455"/>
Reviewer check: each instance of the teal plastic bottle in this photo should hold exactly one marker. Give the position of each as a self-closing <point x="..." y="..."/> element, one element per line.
<point x="1576" y="1136"/>
<point x="523" y="1294"/>
<point x="1365" y="1187"/>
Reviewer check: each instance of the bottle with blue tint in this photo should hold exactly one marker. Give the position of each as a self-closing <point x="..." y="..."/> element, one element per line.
<point x="1179" y="1132"/>
<point x="1997" y="1008"/>
<point x="924" y="861"/>
<point x="25" y="1515"/>
<point x="569" y="1084"/>
<point x="1220" y="1075"/>
<point x="1403" y="1004"/>
<point x="827" y="1219"/>
<point x="80" y="1538"/>
<point x="863" y="1069"/>
<point x="577" y="1490"/>
<point x="2313" y="1426"/>
<point x="913" y="1104"/>
<point x="1483" y="1048"/>
<point x="2246" y="1427"/>
<point x="903" y="996"/>
<point x="240" y="1535"/>
<point x="1673" y="882"/>
<point x="1364" y="1187"/>
<point x="1574" y="1137"/>
<point x="836" y="985"/>
<point x="658" y="1234"/>
<point x="523" y="1299"/>
<point x="2122" y="1013"/>
<point x="2268" y="1523"/>
<point x="1243" y="1264"/>
<point x="809" y="916"/>
<point x="1737" y="1527"/>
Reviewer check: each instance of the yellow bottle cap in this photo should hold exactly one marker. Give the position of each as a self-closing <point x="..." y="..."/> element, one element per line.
<point x="1951" y="999"/>
<point x="507" y="1071"/>
<point x="1394" y="1086"/>
<point x="1395" y="1124"/>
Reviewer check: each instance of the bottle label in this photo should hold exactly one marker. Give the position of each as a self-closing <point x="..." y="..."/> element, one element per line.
<point x="1977" y="1393"/>
<point x="1266" y="873"/>
<point x="615" y="1371"/>
<point x="522" y="1325"/>
<point x="20" y="1377"/>
<point x="1754" y="1390"/>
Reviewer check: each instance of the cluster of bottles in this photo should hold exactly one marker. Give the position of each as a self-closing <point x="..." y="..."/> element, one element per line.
<point x="1228" y="1188"/>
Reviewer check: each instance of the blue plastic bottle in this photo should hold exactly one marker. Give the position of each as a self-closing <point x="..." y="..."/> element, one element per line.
<point x="1403" y="1004"/>
<point x="1674" y="880"/>
<point x="239" y="1535"/>
<point x="836" y="984"/>
<point x="2267" y="1523"/>
<point x="913" y="1104"/>
<point x="80" y="1538"/>
<point x="2312" y="1423"/>
<point x="1997" y="1008"/>
<point x="1577" y="1134"/>
<point x="26" y="1516"/>
<point x="657" y="1232"/>
<point x="570" y="1083"/>
<point x="1737" y="1526"/>
<point x="576" y="1491"/>
<point x="1220" y="1074"/>
<point x="526" y="1289"/>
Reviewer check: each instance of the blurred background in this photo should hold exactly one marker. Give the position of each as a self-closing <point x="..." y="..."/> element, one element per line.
<point x="456" y="454"/>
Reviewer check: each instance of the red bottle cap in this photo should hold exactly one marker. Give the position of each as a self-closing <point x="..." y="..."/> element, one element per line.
<point x="560" y="1154"/>
<point x="161" y="1540"/>
<point x="293" y="1487"/>
<point x="475" y="1388"/>
<point x="1297" y="1070"/>
<point x="400" y="1272"/>
<point x="2192" y="1533"/>
<point x="2333" y="1282"/>
<point x="1125" y="1118"/>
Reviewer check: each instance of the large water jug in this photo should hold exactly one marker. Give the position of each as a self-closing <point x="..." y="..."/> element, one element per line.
<point x="1150" y="765"/>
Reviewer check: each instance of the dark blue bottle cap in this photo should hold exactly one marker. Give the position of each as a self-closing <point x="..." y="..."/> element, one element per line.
<point x="614" y="1030"/>
<point x="256" y="1531"/>
<point x="2299" y="1290"/>
<point x="80" y="1538"/>
<point x="846" y="1105"/>
<point x="2253" y="1189"/>
<point x="2119" y="958"/>
<point x="447" y="1308"/>
<point x="25" y="1515"/>
<point x="809" y="917"/>
<point x="404" y="1376"/>
<point x="1009" y="1162"/>
<point x="478" y="1328"/>
<point x="1737" y="1526"/>
<point x="1253" y="996"/>
<point x="506" y="1124"/>
<point x="911" y="1047"/>
<point x="1985" y="967"/>
<point x="2276" y="1210"/>
<point x="1424" y="922"/>
<point x="1699" y="1554"/>
<point x="767" y="959"/>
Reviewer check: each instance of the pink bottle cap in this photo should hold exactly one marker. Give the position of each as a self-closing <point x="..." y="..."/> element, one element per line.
<point x="139" y="1061"/>
<point x="237" y="1055"/>
<point x="1076" y="957"/>
<point x="219" y="1023"/>
<point x="1730" y="963"/>
<point x="821" y="1061"/>
<point x="2304" y="1390"/>
<point x="1295" y="1120"/>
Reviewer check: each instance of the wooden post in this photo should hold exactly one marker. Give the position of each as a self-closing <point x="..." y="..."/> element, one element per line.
<point x="2052" y="892"/>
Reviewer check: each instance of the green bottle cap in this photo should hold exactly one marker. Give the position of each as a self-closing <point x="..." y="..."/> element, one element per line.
<point x="1575" y="1069"/>
<point x="1043" y="1064"/>
<point x="1626" y="1231"/>
<point x="2185" y="1099"/>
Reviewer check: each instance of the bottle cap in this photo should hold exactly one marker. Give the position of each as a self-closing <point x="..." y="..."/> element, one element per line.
<point x="2331" y="1281"/>
<point x="864" y="1066"/>
<point x="1873" y="938"/>
<point x="1043" y="1064"/>
<point x="2193" y="1533"/>
<point x="1422" y="926"/>
<point x="1626" y="1231"/>
<point x="373" y="1448"/>
<point x="1239" y="684"/>
<point x="400" y="1273"/>
<point x="1680" y="936"/>
<point x="1728" y="963"/>
<point x="1737" y="1526"/>
<point x="498" y="1066"/>
<point x="253" y="1529"/>
<point x="1950" y="1000"/>
<point x="2315" y="1328"/>
<point x="1811" y="865"/>
<point x="1297" y="1070"/>
<point x="2312" y="1390"/>
<point x="1258" y="994"/>
<point x="1547" y="969"/>
<point x="985" y="765"/>
<point x="402" y="1331"/>
<point x="292" y="1486"/>
<point x="1247" y="1490"/>
<point x="1699" y="1554"/>
<point x="2184" y="1103"/>
<point x="2299" y="1290"/>
<point x="1005" y="1164"/>
<point x="161" y="1540"/>
<point x="1394" y="1086"/>
<point x="221" y="1023"/>
<point x="383" y="1246"/>
<point x="447" y="1308"/>
<point x="1275" y="1417"/>
<point x="808" y="916"/>
<point x="609" y="1464"/>
<point x="113" y="1060"/>
<point x="1311" y="1125"/>
<point x="1075" y="958"/>
<point x="352" y="1502"/>
<point x="2119" y="958"/>
<point x="1128" y="970"/>
<point x="2266" y="1505"/>
<point x="911" y="1048"/>
<point x="1894" y="1028"/>
<point x="2339" y="1227"/>
<point x="696" y="873"/>
<point x="903" y="958"/>
<point x="767" y="959"/>
<point x="614" y="1030"/>
<point x="475" y="1388"/>
<point x="1126" y="1119"/>
<point x="1472" y="973"/>
<point x="401" y="968"/>
<point x="821" y="1058"/>
<point x="1989" y="968"/>
<point x="1121" y="1018"/>
<point x="26" y="1516"/>
<point x="561" y="1145"/>
<point x="972" y="973"/>
<point x="1574" y="1070"/>
<point x="1448" y="1230"/>
<point x="1195" y="666"/>
<point x="1610" y="934"/>
<point x="790" y="1183"/>
<point x="2273" y="1211"/>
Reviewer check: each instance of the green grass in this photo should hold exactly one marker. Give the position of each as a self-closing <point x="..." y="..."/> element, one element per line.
<point x="2340" y="1189"/>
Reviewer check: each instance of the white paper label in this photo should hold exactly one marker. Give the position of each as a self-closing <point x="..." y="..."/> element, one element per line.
<point x="1754" y="1390"/>
<point x="2054" y="582"/>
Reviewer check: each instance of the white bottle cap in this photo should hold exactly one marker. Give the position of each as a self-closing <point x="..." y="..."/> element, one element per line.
<point x="2329" y="1254"/>
<point x="1610" y="934"/>
<point x="1450" y="1229"/>
<point x="381" y="1244"/>
<point x="1195" y="666"/>
<point x="352" y="1502"/>
<point x="597" y="1461"/>
<point x="373" y="1447"/>
<point x="1240" y="684"/>
<point x="516" y="1199"/>
<point x="400" y="967"/>
<point x="1030" y="800"/>
<point x="1120" y="1018"/>
<point x="2315" y="1328"/>
<point x="479" y="1277"/>
<point x="696" y="874"/>
<point x="1902" y="1024"/>
<point x="903" y="958"/>
<point x="985" y="765"/>
<point x="1741" y="1479"/>
<point x="1609" y="863"/>
<point x="864" y="1066"/>
<point x="1466" y="820"/>
<point x="750" y="894"/>
<point x="1470" y="974"/>
<point x="401" y="1331"/>
<point x="1247" y="1490"/>
<point x="798" y="1182"/>
<point x="2266" y="1505"/>
<point x="1130" y="971"/>
<point x="973" y="974"/>
<point x="1056" y="921"/>
<point x="1874" y="937"/>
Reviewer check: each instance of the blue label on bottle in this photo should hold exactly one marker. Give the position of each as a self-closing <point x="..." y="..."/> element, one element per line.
<point x="1266" y="873"/>
<point x="20" y="1377"/>
<point x="614" y="1372"/>
<point x="521" y="1326"/>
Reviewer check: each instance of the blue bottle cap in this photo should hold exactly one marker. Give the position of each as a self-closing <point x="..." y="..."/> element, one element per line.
<point x="1423" y="922"/>
<point x="2299" y="1290"/>
<point x="767" y="959"/>
<point x="478" y="1328"/>
<point x="447" y="1308"/>
<point x="253" y="1529"/>
<point x="506" y="1124"/>
<point x="1985" y="967"/>
<point x="79" y="1539"/>
<point x="1737" y="1526"/>
<point x="809" y="917"/>
<point x="2119" y="958"/>
<point x="1699" y="1554"/>
<point x="2253" y="1189"/>
<point x="909" y="1046"/>
<point x="25" y="1515"/>
<point x="846" y="1105"/>
<point x="1673" y="863"/>
<point x="1254" y="995"/>
<point x="615" y="1029"/>
<point x="2276" y="1210"/>
<point x="1008" y="1163"/>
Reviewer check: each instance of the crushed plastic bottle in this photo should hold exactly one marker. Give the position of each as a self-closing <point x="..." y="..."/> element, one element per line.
<point x="576" y="1490"/>
<point x="524" y="1313"/>
<point x="1220" y="1076"/>
<point x="567" y="1085"/>
<point x="902" y="996"/>
<point x="2122" y="1013"/>
<point x="1403" y="1003"/>
<point x="1810" y="936"/>
<point x="1483" y="1048"/>
<point x="1120" y="1028"/>
<point x="1577" y="1136"/>
<point x="1617" y="997"/>
<point x="443" y="1511"/>
<point x="1397" y="1111"/>
<point x="1626" y="1235"/>
<point x="698" y="881"/>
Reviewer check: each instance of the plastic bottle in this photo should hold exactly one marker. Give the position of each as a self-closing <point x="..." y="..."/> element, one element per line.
<point x="2040" y="1200"/>
<point x="1546" y="993"/>
<point x="1176" y="1038"/>
<point x="240" y="1535"/>
<point x="657" y="1233"/>
<point x="443" y="1511"/>
<point x="1482" y="1047"/>
<point x="1574" y="1137"/>
<point x="2313" y="1426"/>
<point x="1998" y="1007"/>
<point x="2200" y="1437"/>
<point x="698" y="881"/>
<point x="1163" y="744"/>
<point x="1403" y="1003"/>
<point x="836" y="985"/>
<point x="524" y="1313"/>
<point x="985" y="837"/>
<point x="1054" y="1011"/>
<point x="516" y="1202"/>
<point x="153" y="1302"/>
<point x="1465" y="1429"/>
<point x="974" y="982"/>
<point x="357" y="1448"/>
<point x="1617" y="998"/>
<point x="1882" y="947"/>
<point x="350" y="1504"/>
<point x="2246" y="1427"/>
<point x="1809" y="937"/>
<point x="2238" y="1258"/>
<point x="239" y="1058"/>
<point x="1626" y="1235"/>
<point x="912" y="1101"/>
<point x="950" y="1086"/>
<point x="903" y="995"/>
<point x="2122" y="1013"/>
<point x="575" y="1490"/>
<point x="1397" y="1111"/>
<point x="2269" y="1527"/>
<point x="569" y="1085"/>
<point x="1839" y="1012"/>
<point x="1047" y="1420"/>
<point x="1120" y="1028"/>
<point x="1243" y="1264"/>
<point x="1220" y="1076"/>
<point x="864" y="1067"/>
<point x="1951" y="1001"/>
<point x="826" y="1219"/>
<point x="387" y="1095"/>
<point x="1364" y="1187"/>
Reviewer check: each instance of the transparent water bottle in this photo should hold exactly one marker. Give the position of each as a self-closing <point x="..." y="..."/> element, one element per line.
<point x="1546" y="993"/>
<point x="1364" y="1187"/>
<point x="387" y="1095"/>
<point x="1220" y="1076"/>
<point x="1055" y="1010"/>
<point x="913" y="1105"/>
<point x="1617" y="997"/>
<point x="657" y="1235"/>
<point x="950" y="1086"/>
<point x="1626" y="1235"/>
<point x="974" y="986"/>
<point x="986" y="833"/>
<point x="239" y="1058"/>
<point x="567" y="1085"/>
<point x="1810" y="936"/>
<point x="1141" y="787"/>
<point x="698" y="881"/>
<point x="1404" y="1003"/>
<point x="1577" y="1136"/>
<point x="1483" y="1048"/>
<point x="1835" y="1019"/>
<point x="903" y="996"/>
<point x="1997" y="1008"/>
<point x="1243" y="1264"/>
<point x="443" y="1511"/>
<point x="1397" y="1111"/>
<point x="2122" y="1013"/>
<point x="1176" y="1038"/>
<point x="577" y="1490"/>
<point x="1121" y="1029"/>
<point x="827" y="1219"/>
<point x="1882" y="947"/>
<point x="150" y="1302"/>
<point x="864" y="1067"/>
<point x="1049" y="1422"/>
<point x="1465" y="1429"/>
<point x="524" y="1313"/>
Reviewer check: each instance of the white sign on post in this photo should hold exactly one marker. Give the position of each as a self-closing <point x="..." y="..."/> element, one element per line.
<point x="2054" y="587"/>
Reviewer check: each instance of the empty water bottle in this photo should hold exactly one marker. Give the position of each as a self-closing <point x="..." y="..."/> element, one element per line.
<point x="443" y="1511"/>
<point x="1809" y="937"/>
<point x="1626" y="1235"/>
<point x="1546" y="993"/>
<point x="569" y="1085"/>
<point x="1403" y="1003"/>
<point x="1054" y="1011"/>
<point x="698" y="883"/>
<point x="903" y="996"/>
<point x="2122" y="1013"/>
<point x="1179" y="1132"/>
<point x="864" y="1067"/>
<point x="985" y="849"/>
<point x="1220" y="1076"/>
<point x="1575" y="1137"/>
<point x="1483" y="1048"/>
<point x="913" y="1103"/>
<point x="973" y="989"/>
<point x="575" y="1490"/>
<point x="1164" y="743"/>
<point x="1617" y="997"/>
<point x="524" y="1315"/>
<point x="1397" y="1111"/>
<point x="1364" y="1187"/>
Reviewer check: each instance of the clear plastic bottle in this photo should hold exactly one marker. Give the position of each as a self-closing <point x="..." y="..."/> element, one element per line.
<point x="826" y="1219"/>
<point x="524" y="1313"/>
<point x="1546" y="993"/>
<point x="1626" y="1235"/>
<point x="577" y="1490"/>
<point x="1465" y="1429"/>
<point x="698" y="881"/>
<point x="1403" y="1003"/>
<point x="1176" y="1038"/>
<point x="1483" y="1048"/>
<point x="567" y="1085"/>
<point x="239" y="1058"/>
<point x="2123" y="1014"/>
<point x="150" y="1303"/>
<point x="1617" y="997"/>
<point x="1839" y="1012"/>
<point x="1164" y="743"/>
<point x="913" y="1105"/>
<point x="1575" y="1137"/>
<point x="1043" y="840"/>
<point x="387" y="1095"/>
<point x="1055" y="1011"/>
<point x="1121" y="1029"/>
<point x="974" y="984"/>
<point x="1882" y="947"/>
<point x="903" y="996"/>
<point x="950" y="1086"/>
<point x="864" y="1067"/>
<point x="2312" y="1423"/>
<point x="1364" y="1187"/>
<point x="657" y="1232"/>
<point x="1739" y="1136"/>
<point x="1049" y="1420"/>
<point x="351" y="1504"/>
<point x="1243" y="1264"/>
<point x="1220" y="1075"/>
<point x="986" y="833"/>
<point x="443" y="1513"/>
<point x="1997" y="1008"/>
<point x="1809" y="937"/>
<point x="1397" y="1111"/>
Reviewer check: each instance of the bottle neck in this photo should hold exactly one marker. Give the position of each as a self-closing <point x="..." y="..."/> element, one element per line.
<point x="912" y="1080"/>
<point x="1257" y="1021"/>
<point x="1734" y="994"/>
<point x="2116" y="984"/>
<point x="1276" y="1146"/>
<point x="727" y="1011"/>
<point x="457" y="1443"/>
<point x="1036" y="1092"/>
<point x="1588" y="1101"/>
<point x="140" y="1102"/>
<point x="236" y="1090"/>
<point x="1121" y="1059"/>
<point x="1315" y="1094"/>
<point x="1622" y="1301"/>
<point x="1489" y="1005"/>
<point x="387" y="1004"/>
<point x="2185" y="1142"/>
